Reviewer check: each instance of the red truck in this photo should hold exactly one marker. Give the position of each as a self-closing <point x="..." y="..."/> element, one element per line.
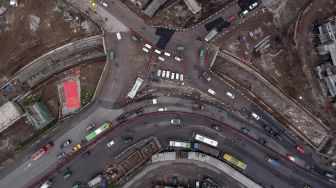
<point x="42" y="151"/>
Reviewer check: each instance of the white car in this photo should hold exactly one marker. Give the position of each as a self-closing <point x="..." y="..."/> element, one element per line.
<point x="290" y="157"/>
<point x="163" y="74"/>
<point x="103" y="3"/>
<point x="255" y="116"/>
<point x="177" y="58"/>
<point x="167" y="54"/>
<point x="253" y="6"/>
<point x="159" y="73"/>
<point x="172" y="76"/>
<point x="211" y="92"/>
<point x="111" y="143"/>
<point x="148" y="46"/>
<point x="157" y="51"/>
<point x="118" y="36"/>
<point x="161" y="58"/>
<point x="154" y="101"/>
<point x="175" y="121"/>
<point x="145" y="49"/>
<point x="162" y="109"/>
<point x="177" y="76"/>
<point x="168" y="74"/>
<point x="181" y="77"/>
<point x="230" y="95"/>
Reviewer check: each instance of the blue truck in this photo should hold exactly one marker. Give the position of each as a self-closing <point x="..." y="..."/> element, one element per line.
<point x="273" y="162"/>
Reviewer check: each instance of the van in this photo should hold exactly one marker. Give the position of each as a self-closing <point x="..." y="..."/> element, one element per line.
<point x="211" y="92"/>
<point x="148" y="46"/>
<point x="118" y="36"/>
<point x="177" y="76"/>
<point x="177" y="59"/>
<point x="172" y="76"/>
<point x="145" y="49"/>
<point x="167" y="54"/>
<point x="253" y="6"/>
<point x="243" y="13"/>
<point x="161" y="58"/>
<point x="158" y="73"/>
<point x="163" y="74"/>
<point x="157" y="51"/>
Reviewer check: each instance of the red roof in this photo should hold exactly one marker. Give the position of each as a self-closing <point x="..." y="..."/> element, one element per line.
<point x="71" y="94"/>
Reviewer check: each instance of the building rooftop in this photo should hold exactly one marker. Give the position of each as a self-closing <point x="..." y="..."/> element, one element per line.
<point x="193" y="6"/>
<point x="9" y="113"/>
<point x="153" y="7"/>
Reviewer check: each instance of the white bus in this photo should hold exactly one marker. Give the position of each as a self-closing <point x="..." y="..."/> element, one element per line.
<point x="180" y="144"/>
<point x="135" y="88"/>
<point x="205" y="140"/>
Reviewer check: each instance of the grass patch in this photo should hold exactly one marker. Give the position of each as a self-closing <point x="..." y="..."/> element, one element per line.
<point x="39" y="134"/>
<point x="111" y="184"/>
<point x="29" y="101"/>
<point x="86" y="97"/>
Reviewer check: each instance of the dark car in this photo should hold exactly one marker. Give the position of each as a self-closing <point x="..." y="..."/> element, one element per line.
<point x="65" y="144"/>
<point x="244" y="130"/>
<point x="277" y="136"/>
<point x="262" y="141"/>
<point x="121" y="119"/>
<point x="268" y="129"/>
<point x="61" y="156"/>
<point x="206" y="76"/>
<point x="90" y="127"/>
<point x="139" y="112"/>
<point x="127" y="140"/>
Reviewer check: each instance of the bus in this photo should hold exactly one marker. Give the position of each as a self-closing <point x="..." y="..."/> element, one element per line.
<point x="234" y="161"/>
<point x="111" y="55"/>
<point x="207" y="149"/>
<point x="205" y="140"/>
<point x="135" y="88"/>
<point x="202" y="53"/>
<point x="98" y="131"/>
<point x="180" y="144"/>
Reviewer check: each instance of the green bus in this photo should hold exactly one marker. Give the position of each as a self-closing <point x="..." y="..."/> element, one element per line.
<point x="111" y="55"/>
<point x="202" y="53"/>
<point x="98" y="131"/>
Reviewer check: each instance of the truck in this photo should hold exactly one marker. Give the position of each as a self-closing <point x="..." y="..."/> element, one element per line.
<point x="42" y="151"/>
<point x="46" y="184"/>
<point x="197" y="106"/>
<point x="273" y="162"/>
<point x="210" y="35"/>
<point x="180" y="48"/>
<point x="206" y="149"/>
<point x="95" y="181"/>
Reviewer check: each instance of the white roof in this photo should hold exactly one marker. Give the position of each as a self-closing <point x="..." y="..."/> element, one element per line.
<point x="9" y="113"/>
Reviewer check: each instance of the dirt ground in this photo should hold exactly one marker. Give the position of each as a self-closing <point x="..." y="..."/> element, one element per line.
<point x="48" y="94"/>
<point x="175" y="13"/>
<point x="280" y="62"/>
<point x="36" y="27"/>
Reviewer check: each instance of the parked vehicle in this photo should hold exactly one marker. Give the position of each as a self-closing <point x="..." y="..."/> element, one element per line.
<point x="90" y="127"/>
<point x="76" y="185"/>
<point x="148" y="46"/>
<point x="111" y="143"/>
<point x="76" y="148"/>
<point x="157" y="51"/>
<point x="253" y="6"/>
<point x="93" y="4"/>
<point x="145" y="49"/>
<point x="167" y="54"/>
<point x="255" y="116"/>
<point x="244" y="130"/>
<point x="206" y="76"/>
<point x="243" y="13"/>
<point x="178" y="58"/>
<point x="103" y="4"/>
<point x="211" y="92"/>
<point x="61" y="156"/>
<point x="118" y="36"/>
<point x="300" y="149"/>
<point x="262" y="141"/>
<point x="175" y="121"/>
<point x="65" y="144"/>
<point x="158" y="73"/>
<point x="134" y="38"/>
<point x="229" y="95"/>
<point x="210" y="35"/>
<point x="67" y="175"/>
<point x="180" y="48"/>
<point x="162" y="109"/>
<point x="139" y="112"/>
<point x="161" y="58"/>
<point x="278" y="136"/>
<point x="46" y="184"/>
<point x="329" y="175"/>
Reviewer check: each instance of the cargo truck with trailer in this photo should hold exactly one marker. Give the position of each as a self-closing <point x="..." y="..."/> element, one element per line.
<point x="42" y="151"/>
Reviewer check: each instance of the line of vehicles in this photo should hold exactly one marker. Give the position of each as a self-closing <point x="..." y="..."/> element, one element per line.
<point x="171" y="75"/>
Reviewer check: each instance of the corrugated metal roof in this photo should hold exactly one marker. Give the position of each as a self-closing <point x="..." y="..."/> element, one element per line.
<point x="9" y="113"/>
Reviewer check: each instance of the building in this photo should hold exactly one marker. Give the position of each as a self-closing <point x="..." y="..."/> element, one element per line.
<point x="327" y="70"/>
<point x="153" y="7"/>
<point x="193" y="6"/>
<point x="10" y="112"/>
<point x="39" y="115"/>
<point x="143" y="3"/>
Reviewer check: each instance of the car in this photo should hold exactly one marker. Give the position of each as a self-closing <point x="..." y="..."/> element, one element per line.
<point x="76" y="185"/>
<point x="76" y="148"/>
<point x="180" y="48"/>
<point x="300" y="149"/>
<point x="161" y="58"/>
<point x="157" y="51"/>
<point x="172" y="76"/>
<point x="211" y="91"/>
<point x="181" y="77"/>
<point x="162" y="109"/>
<point x="154" y="101"/>
<point x="121" y="119"/>
<point x="216" y="127"/>
<point x="333" y="163"/>
<point x="67" y="175"/>
<point x="177" y="59"/>
<point x="127" y="140"/>
<point x="262" y="141"/>
<point x="90" y="127"/>
<point x="175" y="121"/>
<point x="163" y="74"/>
<point x="148" y="46"/>
<point x="206" y="76"/>
<point x="46" y="184"/>
<point x="65" y="144"/>
<point x="145" y="49"/>
<point x="267" y="128"/>
<point x="61" y="156"/>
<point x="278" y="136"/>
<point x="158" y="73"/>
<point x="134" y="38"/>
<point x="118" y="36"/>
<point x="167" y="54"/>
<point x="103" y="4"/>
<point x="231" y="18"/>
<point x="230" y="95"/>
<point x="290" y="157"/>
<point x="177" y="77"/>
<point x="253" y="6"/>
<point x="168" y="74"/>
<point x="93" y="4"/>
<point x="255" y="116"/>
<point x="244" y="130"/>
<point x="139" y="112"/>
<point x="308" y="167"/>
<point x="111" y="143"/>
<point x="243" y="13"/>
<point x="329" y="175"/>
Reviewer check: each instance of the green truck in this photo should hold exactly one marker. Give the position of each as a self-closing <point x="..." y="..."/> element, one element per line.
<point x="112" y="55"/>
<point x="180" y="48"/>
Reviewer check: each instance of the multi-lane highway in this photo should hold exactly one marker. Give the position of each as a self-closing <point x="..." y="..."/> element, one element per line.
<point x="117" y="81"/>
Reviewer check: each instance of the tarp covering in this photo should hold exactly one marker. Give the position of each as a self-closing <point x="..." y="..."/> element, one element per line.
<point x="71" y="94"/>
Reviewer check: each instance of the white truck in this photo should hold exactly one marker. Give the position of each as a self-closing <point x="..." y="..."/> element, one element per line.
<point x="210" y="35"/>
<point x="95" y="181"/>
<point x="46" y="184"/>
